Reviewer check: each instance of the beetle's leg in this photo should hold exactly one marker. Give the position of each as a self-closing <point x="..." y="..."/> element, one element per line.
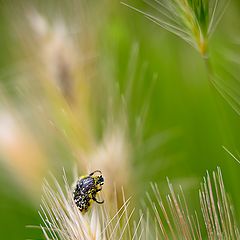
<point x="95" y="172"/>
<point x="98" y="190"/>
<point x="99" y="202"/>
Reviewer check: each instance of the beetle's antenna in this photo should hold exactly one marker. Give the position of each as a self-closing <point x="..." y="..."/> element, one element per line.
<point x="95" y="172"/>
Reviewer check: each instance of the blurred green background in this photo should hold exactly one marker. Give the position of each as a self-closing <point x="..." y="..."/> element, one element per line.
<point x="187" y="121"/>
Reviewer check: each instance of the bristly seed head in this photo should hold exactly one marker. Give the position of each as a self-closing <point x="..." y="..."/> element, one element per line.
<point x="192" y="20"/>
<point x="171" y="217"/>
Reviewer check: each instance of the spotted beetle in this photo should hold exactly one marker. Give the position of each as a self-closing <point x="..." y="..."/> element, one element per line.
<point x="86" y="190"/>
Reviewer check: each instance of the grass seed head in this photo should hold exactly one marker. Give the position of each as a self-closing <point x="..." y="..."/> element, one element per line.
<point x="192" y="20"/>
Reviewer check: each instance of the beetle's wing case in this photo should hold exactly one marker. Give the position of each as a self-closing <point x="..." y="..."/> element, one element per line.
<point x="87" y="183"/>
<point x="75" y="183"/>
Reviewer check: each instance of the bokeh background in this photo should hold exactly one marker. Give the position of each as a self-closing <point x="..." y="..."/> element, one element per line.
<point x="186" y="120"/>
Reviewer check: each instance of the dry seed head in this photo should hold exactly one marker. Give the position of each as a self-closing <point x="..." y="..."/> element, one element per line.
<point x="63" y="221"/>
<point x="55" y="60"/>
<point x="57" y="53"/>
<point x="56" y="57"/>
<point x="112" y="156"/>
<point x="217" y="209"/>
<point x="174" y="220"/>
<point x="171" y="217"/>
<point x="55" y="50"/>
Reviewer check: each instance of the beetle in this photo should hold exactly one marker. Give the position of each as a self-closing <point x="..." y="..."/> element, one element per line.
<point x="86" y="190"/>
